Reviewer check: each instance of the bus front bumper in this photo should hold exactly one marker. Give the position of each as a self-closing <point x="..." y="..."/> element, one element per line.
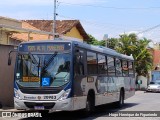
<point x="64" y="105"/>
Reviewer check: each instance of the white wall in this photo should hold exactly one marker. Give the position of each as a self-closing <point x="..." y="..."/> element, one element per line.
<point x="144" y="82"/>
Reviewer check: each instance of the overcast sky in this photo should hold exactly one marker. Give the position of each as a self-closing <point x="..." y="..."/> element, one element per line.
<point x="98" y="17"/>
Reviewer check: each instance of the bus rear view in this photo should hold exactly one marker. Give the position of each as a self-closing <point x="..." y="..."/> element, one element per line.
<point x="42" y="76"/>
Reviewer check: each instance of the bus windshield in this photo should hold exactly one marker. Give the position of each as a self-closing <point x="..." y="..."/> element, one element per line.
<point x="43" y="70"/>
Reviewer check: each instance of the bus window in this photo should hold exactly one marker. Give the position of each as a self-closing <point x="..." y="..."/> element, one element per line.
<point x="91" y="63"/>
<point x="118" y="67"/>
<point x="102" y="67"/>
<point x="111" y="66"/>
<point x="79" y="62"/>
<point x="125" y="68"/>
<point x="131" y="72"/>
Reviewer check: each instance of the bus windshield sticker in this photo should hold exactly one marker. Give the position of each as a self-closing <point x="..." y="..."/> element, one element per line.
<point x="45" y="81"/>
<point x="31" y="79"/>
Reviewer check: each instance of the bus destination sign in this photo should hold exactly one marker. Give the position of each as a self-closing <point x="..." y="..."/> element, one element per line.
<point x="45" y="47"/>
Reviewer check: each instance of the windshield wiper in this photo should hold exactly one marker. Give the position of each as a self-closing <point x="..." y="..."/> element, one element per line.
<point x="49" y="61"/>
<point x="33" y="58"/>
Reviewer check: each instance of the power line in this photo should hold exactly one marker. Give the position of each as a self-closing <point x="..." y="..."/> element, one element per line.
<point x="98" y="6"/>
<point x="103" y="25"/>
<point x="149" y="29"/>
<point x="114" y="27"/>
<point x="100" y="23"/>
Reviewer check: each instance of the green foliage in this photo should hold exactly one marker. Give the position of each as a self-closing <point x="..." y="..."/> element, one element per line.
<point x="131" y="45"/>
<point x="112" y="43"/>
<point x="94" y="41"/>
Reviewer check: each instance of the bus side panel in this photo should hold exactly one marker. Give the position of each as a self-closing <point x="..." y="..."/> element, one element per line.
<point x="81" y="87"/>
<point x="129" y="87"/>
<point x="78" y="92"/>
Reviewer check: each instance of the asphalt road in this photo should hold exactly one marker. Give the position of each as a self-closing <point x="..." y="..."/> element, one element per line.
<point x="140" y="103"/>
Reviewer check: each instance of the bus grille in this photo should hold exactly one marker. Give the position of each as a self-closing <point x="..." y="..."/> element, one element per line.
<point x="46" y="105"/>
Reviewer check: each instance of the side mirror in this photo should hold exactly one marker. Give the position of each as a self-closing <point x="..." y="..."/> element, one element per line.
<point x="9" y="57"/>
<point x="9" y="60"/>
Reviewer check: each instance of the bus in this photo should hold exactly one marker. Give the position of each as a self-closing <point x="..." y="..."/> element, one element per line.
<point x="68" y="75"/>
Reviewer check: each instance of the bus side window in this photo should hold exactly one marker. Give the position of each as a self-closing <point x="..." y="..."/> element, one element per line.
<point x="118" y="67"/>
<point x="125" y="68"/>
<point x="130" y="66"/>
<point x="111" y="66"/>
<point x="102" y="66"/>
<point x="79" y="62"/>
<point x="92" y="63"/>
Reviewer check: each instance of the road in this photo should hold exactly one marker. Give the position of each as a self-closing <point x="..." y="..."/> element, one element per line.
<point x="139" y="102"/>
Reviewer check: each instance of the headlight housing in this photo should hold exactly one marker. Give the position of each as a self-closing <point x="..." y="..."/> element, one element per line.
<point x="17" y="94"/>
<point x="65" y="95"/>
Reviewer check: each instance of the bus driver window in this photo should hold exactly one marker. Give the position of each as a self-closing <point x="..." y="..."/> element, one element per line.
<point x="78" y="63"/>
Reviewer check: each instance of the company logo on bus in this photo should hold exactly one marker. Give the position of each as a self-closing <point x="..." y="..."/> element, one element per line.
<point x="29" y="97"/>
<point x="39" y="97"/>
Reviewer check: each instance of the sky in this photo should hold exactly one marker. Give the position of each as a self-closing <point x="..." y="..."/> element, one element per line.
<point x="98" y="17"/>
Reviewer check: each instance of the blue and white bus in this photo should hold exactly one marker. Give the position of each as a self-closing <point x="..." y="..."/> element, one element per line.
<point x="67" y="75"/>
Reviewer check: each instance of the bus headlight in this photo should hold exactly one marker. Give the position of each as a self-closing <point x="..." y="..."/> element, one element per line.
<point x="17" y="94"/>
<point x="65" y="95"/>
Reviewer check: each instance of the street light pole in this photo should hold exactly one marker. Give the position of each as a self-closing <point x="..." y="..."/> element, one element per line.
<point x="54" y="20"/>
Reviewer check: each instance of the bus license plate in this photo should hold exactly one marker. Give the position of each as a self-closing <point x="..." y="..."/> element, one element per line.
<point x="39" y="107"/>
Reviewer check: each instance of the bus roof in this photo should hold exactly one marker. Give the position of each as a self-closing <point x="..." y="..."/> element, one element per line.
<point x="100" y="49"/>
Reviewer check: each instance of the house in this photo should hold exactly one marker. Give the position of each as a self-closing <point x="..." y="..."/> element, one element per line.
<point x="13" y="32"/>
<point x="69" y="28"/>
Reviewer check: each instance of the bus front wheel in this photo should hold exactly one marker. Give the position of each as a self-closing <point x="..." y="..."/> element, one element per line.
<point x="90" y="106"/>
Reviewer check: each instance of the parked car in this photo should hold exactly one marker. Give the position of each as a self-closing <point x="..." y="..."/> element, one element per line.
<point x="154" y="86"/>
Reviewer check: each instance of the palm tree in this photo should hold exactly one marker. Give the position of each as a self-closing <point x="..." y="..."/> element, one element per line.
<point x="129" y="44"/>
<point x="143" y="57"/>
<point x="126" y="44"/>
<point x="112" y="43"/>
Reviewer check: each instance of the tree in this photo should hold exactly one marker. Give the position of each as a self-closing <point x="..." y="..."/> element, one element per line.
<point x="112" y="43"/>
<point x="92" y="40"/>
<point x="131" y="45"/>
<point x="143" y="57"/>
<point x="126" y="44"/>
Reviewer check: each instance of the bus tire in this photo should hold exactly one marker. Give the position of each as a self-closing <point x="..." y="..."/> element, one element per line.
<point x="90" y="105"/>
<point x="120" y="103"/>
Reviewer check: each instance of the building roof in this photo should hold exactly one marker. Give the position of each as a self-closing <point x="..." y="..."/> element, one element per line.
<point x="7" y="18"/>
<point x="62" y="26"/>
<point x="27" y="28"/>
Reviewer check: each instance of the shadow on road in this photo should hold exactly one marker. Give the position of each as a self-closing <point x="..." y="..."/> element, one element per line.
<point x="103" y="110"/>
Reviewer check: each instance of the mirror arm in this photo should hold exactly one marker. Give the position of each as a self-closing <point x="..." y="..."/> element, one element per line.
<point x="9" y="56"/>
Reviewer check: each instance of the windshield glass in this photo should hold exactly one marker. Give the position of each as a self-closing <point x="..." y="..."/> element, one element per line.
<point x="155" y="82"/>
<point x="43" y="70"/>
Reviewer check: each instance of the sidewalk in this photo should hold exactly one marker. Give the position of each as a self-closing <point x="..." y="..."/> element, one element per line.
<point x="140" y="92"/>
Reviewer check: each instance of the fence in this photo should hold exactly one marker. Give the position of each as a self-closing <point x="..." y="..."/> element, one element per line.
<point x="6" y="76"/>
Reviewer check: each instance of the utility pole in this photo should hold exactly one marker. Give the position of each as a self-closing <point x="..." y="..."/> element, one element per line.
<point x="54" y="20"/>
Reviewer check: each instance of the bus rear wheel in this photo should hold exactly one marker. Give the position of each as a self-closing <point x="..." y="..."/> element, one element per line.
<point x="120" y="103"/>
